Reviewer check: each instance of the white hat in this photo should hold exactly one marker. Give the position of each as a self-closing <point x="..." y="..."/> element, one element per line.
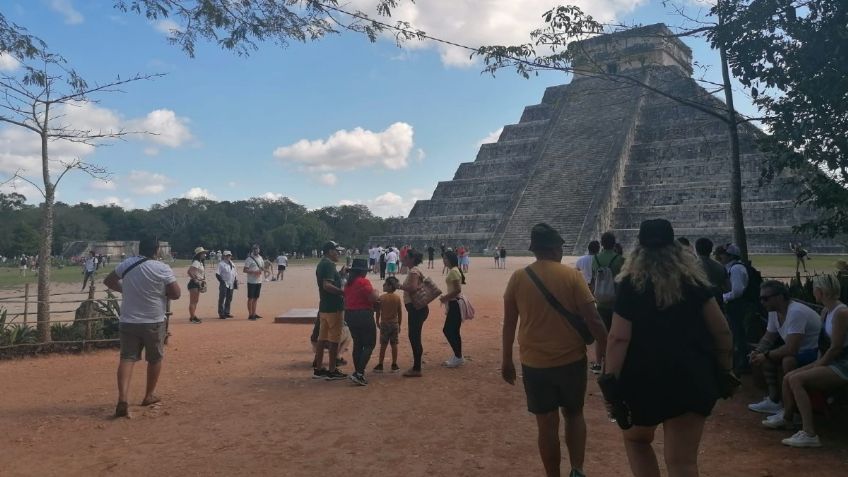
<point x="227" y="252"/>
<point x="199" y="250"/>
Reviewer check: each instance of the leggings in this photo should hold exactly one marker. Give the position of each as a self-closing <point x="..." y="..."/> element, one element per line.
<point x="363" y="330"/>
<point x="415" y="323"/>
<point x="453" y="322"/>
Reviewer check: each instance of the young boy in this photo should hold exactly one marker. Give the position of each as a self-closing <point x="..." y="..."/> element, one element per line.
<point x="388" y="320"/>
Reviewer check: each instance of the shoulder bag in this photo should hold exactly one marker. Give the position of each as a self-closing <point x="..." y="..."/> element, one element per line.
<point x="427" y="292"/>
<point x="573" y="320"/>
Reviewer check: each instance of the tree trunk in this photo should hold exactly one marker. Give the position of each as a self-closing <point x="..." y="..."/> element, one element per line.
<point x="45" y="249"/>
<point x="740" y="238"/>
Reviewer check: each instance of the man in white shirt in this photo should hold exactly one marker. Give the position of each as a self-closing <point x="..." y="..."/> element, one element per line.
<point x="253" y="267"/>
<point x="736" y="306"/>
<point x="282" y="263"/>
<point x="798" y="326"/>
<point x="146" y="284"/>
<point x="227" y="277"/>
<point x="392" y="262"/>
<point x="89" y="267"/>
<point x="584" y="263"/>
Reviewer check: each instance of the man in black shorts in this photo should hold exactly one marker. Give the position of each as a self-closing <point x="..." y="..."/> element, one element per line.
<point x="254" y="266"/>
<point x="553" y="354"/>
<point x="430" y="254"/>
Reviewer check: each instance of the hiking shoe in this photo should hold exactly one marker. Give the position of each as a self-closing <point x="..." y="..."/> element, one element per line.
<point x="319" y="373"/>
<point x="194" y="320"/>
<point x="334" y="375"/>
<point x="777" y="421"/>
<point x="595" y="368"/>
<point x="395" y="368"/>
<point x="378" y="368"/>
<point x="802" y="439"/>
<point x="766" y="406"/>
<point x="454" y="362"/>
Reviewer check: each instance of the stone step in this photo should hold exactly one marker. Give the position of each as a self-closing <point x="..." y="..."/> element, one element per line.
<point x="507" y="149"/>
<point x="536" y="112"/>
<point x="478" y="187"/>
<point x="529" y="129"/>
<point x="495" y="203"/>
<point x="490" y="169"/>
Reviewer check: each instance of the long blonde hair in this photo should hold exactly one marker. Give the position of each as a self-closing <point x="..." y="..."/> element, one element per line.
<point x="667" y="269"/>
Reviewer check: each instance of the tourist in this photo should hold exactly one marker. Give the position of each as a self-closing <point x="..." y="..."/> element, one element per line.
<point x="606" y="265"/>
<point x="22" y="269"/>
<point x="389" y="319"/>
<point x="403" y="251"/>
<point x="715" y="272"/>
<point x="442" y="256"/>
<point x="496" y="254"/>
<point x="669" y="353"/>
<point x="359" y="299"/>
<point x="584" y="263"/>
<point x="685" y="243"/>
<point x="453" y="319"/>
<point x="282" y="263"/>
<point x="227" y="282"/>
<point x="254" y="266"/>
<point x="89" y="266"/>
<point x="552" y="352"/>
<point x="503" y="257"/>
<point x="330" y="312"/>
<point x="382" y="261"/>
<point x="372" y="258"/>
<point x="791" y="341"/>
<point x="266" y="269"/>
<point x="431" y="252"/>
<point x="827" y="372"/>
<point x="735" y="304"/>
<point x="391" y="262"/>
<point x="196" y="283"/>
<point x="146" y="285"/>
<point x="415" y="316"/>
<point x="800" y="256"/>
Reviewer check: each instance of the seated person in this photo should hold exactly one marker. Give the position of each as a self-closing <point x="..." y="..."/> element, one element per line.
<point x="798" y="326"/>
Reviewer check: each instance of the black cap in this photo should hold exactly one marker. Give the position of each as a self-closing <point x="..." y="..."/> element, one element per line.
<point x="543" y="236"/>
<point x="656" y="233"/>
<point x="330" y="245"/>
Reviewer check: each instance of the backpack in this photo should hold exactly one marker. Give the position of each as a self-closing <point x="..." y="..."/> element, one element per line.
<point x="755" y="279"/>
<point x="603" y="282"/>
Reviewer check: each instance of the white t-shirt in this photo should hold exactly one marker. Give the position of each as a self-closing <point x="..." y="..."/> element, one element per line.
<point x="254" y="264"/>
<point x="90" y="264"/>
<point x="227" y="271"/>
<point x="392" y="257"/>
<point x="198" y="265"/>
<point x="800" y="320"/>
<point x="282" y="260"/>
<point x="584" y="266"/>
<point x="144" y="298"/>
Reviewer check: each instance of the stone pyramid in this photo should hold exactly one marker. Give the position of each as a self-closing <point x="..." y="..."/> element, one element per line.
<point x="600" y="154"/>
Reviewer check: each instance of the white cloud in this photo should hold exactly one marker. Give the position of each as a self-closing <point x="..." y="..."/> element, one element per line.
<point x="198" y="193"/>
<point x="8" y="62"/>
<point x="24" y="188"/>
<point x="97" y="184"/>
<point x="390" y="204"/>
<point x="125" y="203"/>
<point x="147" y="183"/>
<point x="274" y="196"/>
<point x="491" y="137"/>
<point x="165" y="126"/>
<point x="485" y="22"/>
<point x="328" y="179"/>
<point x="354" y="149"/>
<point x="66" y="8"/>
<point x="166" y="26"/>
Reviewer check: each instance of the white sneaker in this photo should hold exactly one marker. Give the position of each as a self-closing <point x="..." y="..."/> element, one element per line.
<point x="454" y="362"/>
<point x="776" y="421"/>
<point x="766" y="406"/>
<point x="802" y="439"/>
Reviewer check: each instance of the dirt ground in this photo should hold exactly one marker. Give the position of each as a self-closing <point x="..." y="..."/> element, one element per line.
<point x="238" y="400"/>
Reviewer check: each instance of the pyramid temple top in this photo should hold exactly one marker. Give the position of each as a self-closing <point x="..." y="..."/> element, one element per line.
<point x="652" y="45"/>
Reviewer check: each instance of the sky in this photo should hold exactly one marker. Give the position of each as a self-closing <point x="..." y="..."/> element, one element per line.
<point x="333" y="122"/>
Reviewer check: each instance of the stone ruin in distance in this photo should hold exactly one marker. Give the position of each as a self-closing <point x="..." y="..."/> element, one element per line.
<point x="599" y="155"/>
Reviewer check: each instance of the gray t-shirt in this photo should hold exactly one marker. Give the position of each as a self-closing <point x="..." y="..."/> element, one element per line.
<point x="800" y="320"/>
<point x="144" y="299"/>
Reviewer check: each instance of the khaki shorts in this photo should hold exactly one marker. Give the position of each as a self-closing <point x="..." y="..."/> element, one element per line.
<point x="138" y="336"/>
<point x="331" y="326"/>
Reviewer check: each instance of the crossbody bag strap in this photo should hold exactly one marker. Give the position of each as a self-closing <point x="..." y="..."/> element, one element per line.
<point x="575" y="321"/>
<point x="129" y="269"/>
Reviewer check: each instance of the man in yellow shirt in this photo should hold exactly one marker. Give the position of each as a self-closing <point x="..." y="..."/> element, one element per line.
<point x="552" y="352"/>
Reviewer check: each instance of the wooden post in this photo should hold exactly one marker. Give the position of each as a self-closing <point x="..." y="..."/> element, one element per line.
<point x="26" y="302"/>
<point x="90" y="308"/>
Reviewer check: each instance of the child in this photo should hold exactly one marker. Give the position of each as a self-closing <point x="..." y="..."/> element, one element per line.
<point x="389" y="317"/>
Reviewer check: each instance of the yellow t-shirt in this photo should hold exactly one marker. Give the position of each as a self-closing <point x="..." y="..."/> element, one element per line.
<point x="545" y="339"/>
<point x="453" y="280"/>
<point x="390" y="308"/>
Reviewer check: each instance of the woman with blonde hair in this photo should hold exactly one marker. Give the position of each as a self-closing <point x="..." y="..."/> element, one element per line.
<point x="827" y="372"/>
<point x="668" y="353"/>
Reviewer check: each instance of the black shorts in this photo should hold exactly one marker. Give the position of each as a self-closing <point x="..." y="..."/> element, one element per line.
<point x="281" y="268"/>
<point x="549" y="389"/>
<point x="253" y="290"/>
<point x="193" y="285"/>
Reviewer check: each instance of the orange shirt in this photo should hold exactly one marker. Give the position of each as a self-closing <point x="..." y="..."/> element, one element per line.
<point x="545" y="339"/>
<point x="390" y="308"/>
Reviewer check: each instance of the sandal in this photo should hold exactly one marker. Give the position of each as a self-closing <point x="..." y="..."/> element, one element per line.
<point x="152" y="400"/>
<point x="122" y="409"/>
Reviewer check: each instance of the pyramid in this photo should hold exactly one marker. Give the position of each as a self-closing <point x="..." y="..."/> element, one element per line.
<point x="603" y="154"/>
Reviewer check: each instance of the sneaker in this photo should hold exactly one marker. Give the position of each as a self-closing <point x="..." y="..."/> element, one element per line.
<point x="363" y="380"/>
<point x="412" y="373"/>
<point x="777" y="421"/>
<point x="802" y="439"/>
<point x="257" y="317"/>
<point x="194" y="320"/>
<point x="319" y="373"/>
<point x="356" y="379"/>
<point x="576" y="473"/>
<point x="334" y="375"/>
<point x="766" y="406"/>
<point x="454" y="362"/>
<point x="596" y="368"/>
<point x="395" y="368"/>
<point x="378" y="368"/>
<point x="253" y="318"/>
<point x="228" y="315"/>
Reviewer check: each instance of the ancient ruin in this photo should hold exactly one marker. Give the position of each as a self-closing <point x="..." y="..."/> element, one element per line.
<point x="603" y="153"/>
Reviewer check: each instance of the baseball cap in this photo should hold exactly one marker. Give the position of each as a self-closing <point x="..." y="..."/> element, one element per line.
<point x="543" y="236"/>
<point x="331" y="245"/>
<point x="733" y="249"/>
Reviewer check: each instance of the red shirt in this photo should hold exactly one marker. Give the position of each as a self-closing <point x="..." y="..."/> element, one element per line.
<point x="357" y="293"/>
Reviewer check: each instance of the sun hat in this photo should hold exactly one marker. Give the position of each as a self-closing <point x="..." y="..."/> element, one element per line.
<point x="543" y="236"/>
<point x="656" y="233"/>
<point x="331" y="245"/>
<point x="199" y="250"/>
<point x="227" y="253"/>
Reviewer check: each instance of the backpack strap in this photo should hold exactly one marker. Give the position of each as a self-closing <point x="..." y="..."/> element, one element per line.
<point x="573" y="320"/>
<point x="129" y="269"/>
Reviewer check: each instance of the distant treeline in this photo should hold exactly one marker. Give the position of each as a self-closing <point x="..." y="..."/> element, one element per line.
<point x="276" y="225"/>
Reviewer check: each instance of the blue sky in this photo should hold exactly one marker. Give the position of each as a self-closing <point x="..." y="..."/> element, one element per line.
<point x="324" y="123"/>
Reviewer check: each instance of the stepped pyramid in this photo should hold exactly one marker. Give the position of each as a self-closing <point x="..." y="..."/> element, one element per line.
<point x="599" y="154"/>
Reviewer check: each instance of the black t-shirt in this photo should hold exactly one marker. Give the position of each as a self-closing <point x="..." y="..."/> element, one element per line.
<point x="430" y="252"/>
<point x="503" y="253"/>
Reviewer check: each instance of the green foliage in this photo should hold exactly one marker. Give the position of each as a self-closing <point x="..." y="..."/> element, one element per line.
<point x="67" y="332"/>
<point x="17" y="333"/>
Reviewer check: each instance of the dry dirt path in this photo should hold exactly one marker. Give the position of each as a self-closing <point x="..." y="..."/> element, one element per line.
<point x="238" y="400"/>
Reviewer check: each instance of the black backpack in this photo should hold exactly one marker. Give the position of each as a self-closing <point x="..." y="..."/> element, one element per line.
<point x="755" y="280"/>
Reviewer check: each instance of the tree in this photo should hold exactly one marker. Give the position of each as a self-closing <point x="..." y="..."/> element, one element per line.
<point x="792" y="57"/>
<point x="33" y="97"/>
